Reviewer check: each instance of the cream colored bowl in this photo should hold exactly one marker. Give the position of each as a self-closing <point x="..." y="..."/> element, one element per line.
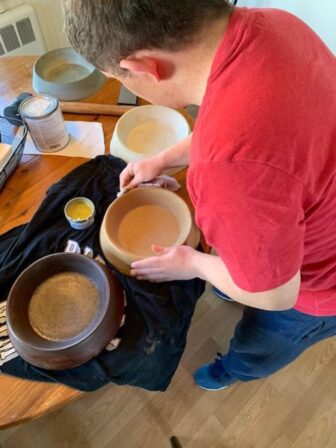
<point x="146" y="130"/>
<point x="65" y="75"/>
<point x="143" y="217"/>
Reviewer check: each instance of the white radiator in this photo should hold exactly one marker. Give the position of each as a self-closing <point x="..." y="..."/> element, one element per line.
<point x="20" y="32"/>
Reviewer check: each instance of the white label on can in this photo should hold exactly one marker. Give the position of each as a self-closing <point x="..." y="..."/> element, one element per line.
<point x="48" y="133"/>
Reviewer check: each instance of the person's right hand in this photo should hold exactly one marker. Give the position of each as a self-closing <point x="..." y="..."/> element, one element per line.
<point x="140" y="171"/>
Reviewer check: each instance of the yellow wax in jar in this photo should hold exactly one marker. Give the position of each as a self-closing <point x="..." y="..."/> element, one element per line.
<point x="79" y="210"/>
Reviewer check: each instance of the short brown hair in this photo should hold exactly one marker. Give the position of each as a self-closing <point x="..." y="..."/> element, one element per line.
<point x="106" y="31"/>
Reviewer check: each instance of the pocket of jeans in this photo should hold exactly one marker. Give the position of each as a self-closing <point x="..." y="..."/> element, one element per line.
<point x="310" y="332"/>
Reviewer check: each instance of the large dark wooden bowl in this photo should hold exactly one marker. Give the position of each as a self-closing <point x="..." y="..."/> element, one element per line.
<point x="81" y="348"/>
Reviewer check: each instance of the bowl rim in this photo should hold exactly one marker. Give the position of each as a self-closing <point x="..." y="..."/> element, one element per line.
<point x="75" y="340"/>
<point x="131" y="256"/>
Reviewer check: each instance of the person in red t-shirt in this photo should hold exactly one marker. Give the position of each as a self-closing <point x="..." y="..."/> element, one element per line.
<point x="262" y="160"/>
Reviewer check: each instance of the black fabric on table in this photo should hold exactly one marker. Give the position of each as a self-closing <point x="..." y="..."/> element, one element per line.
<point x="158" y="316"/>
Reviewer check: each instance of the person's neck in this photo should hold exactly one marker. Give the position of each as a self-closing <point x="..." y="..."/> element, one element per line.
<point x="197" y="61"/>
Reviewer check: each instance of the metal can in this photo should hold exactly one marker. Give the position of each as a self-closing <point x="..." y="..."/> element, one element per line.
<point x="45" y="122"/>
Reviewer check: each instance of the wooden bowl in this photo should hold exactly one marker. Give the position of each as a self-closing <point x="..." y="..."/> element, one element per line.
<point x="64" y="74"/>
<point x="81" y="346"/>
<point x="140" y="218"/>
<point x="147" y="130"/>
<point x="162" y="126"/>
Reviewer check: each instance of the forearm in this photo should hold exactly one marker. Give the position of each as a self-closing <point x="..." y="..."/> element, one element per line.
<point x="212" y="269"/>
<point x="177" y="155"/>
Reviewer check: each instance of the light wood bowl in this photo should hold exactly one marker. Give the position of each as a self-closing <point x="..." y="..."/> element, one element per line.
<point x="117" y="251"/>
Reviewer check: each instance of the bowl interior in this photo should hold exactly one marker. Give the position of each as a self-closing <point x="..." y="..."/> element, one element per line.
<point x="30" y="279"/>
<point x="63" y="66"/>
<point x="146" y="216"/>
<point x="147" y="130"/>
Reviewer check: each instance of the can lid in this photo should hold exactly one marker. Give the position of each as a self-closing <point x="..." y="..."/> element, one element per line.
<point x="38" y="106"/>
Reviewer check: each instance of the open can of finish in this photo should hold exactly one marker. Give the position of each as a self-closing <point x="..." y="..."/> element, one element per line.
<point x="80" y="213"/>
<point x="45" y="122"/>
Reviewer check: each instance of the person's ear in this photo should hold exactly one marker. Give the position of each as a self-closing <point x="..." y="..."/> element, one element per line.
<point x="146" y="65"/>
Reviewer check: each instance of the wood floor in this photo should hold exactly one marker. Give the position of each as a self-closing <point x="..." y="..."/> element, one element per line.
<point x="295" y="408"/>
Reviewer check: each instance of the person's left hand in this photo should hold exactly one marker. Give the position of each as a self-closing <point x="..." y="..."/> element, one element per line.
<point x="170" y="263"/>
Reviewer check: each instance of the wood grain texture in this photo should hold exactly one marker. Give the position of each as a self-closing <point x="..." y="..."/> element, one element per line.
<point x="19" y="199"/>
<point x="23" y="400"/>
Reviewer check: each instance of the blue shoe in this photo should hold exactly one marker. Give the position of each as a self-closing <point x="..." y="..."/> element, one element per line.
<point x="208" y="377"/>
<point x="221" y="295"/>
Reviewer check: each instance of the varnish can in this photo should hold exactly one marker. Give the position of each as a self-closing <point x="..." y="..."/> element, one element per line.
<point x="45" y="122"/>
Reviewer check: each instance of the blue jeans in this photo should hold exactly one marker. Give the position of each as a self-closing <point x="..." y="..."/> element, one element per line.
<point x="266" y="341"/>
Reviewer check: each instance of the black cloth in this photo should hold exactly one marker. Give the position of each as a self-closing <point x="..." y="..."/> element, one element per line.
<point x="157" y="315"/>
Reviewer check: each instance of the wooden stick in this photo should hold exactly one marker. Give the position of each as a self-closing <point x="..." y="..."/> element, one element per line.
<point x="94" y="109"/>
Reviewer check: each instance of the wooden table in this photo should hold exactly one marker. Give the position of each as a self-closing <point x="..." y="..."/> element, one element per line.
<point x="22" y="400"/>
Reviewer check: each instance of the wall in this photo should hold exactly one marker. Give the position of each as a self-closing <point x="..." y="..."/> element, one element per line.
<point x="320" y="15"/>
<point x="50" y="16"/>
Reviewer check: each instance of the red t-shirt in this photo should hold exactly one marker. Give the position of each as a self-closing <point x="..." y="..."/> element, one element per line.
<point x="263" y="157"/>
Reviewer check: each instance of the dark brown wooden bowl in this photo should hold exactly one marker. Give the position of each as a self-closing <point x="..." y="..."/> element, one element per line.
<point x="79" y="349"/>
